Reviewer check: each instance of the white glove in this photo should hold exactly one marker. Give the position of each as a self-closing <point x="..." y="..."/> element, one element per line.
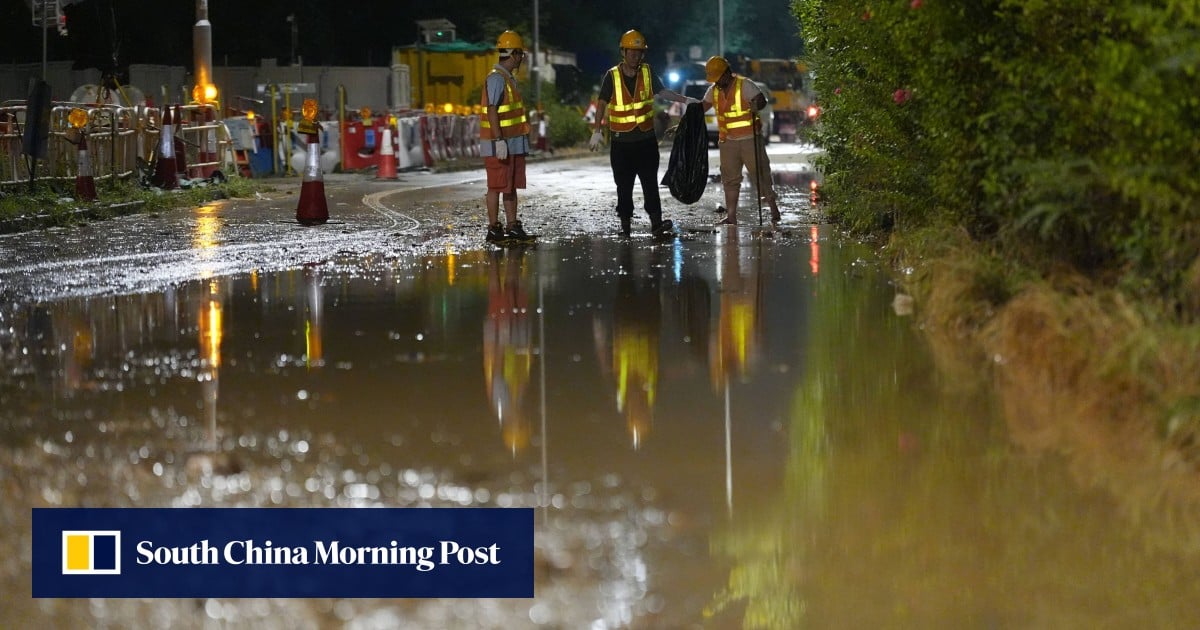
<point x="501" y="149"/>
<point x="597" y="138"/>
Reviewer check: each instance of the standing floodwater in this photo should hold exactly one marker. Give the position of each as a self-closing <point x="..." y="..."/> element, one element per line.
<point x="719" y="431"/>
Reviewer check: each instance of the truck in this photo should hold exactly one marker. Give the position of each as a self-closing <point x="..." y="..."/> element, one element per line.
<point x="791" y="94"/>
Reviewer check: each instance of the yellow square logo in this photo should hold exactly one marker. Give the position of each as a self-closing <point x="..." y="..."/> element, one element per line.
<point x="91" y="552"/>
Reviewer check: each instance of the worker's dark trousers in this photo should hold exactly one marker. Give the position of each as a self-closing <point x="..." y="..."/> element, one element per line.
<point x="640" y="160"/>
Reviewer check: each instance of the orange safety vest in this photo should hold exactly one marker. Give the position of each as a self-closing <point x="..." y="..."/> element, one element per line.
<point x="734" y="116"/>
<point x="630" y="111"/>
<point x="512" y="113"/>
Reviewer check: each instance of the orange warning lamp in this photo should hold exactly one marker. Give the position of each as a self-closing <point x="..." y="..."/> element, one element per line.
<point x="309" y="111"/>
<point x="250" y="114"/>
<point x="204" y="93"/>
<point x="448" y="108"/>
<point x="77" y="118"/>
<point x="365" y="114"/>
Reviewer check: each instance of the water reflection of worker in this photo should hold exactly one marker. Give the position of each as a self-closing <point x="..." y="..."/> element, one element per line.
<point x="636" y="329"/>
<point x="508" y="346"/>
<point x="735" y="346"/>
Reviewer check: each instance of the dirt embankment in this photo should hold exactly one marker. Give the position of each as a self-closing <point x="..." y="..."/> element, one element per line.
<point x="1085" y="375"/>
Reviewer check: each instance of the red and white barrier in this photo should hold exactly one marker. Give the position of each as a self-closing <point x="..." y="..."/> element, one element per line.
<point x="85" y="183"/>
<point x="165" y="175"/>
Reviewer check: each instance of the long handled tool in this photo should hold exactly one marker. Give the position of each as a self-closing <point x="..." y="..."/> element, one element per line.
<point x="757" y="168"/>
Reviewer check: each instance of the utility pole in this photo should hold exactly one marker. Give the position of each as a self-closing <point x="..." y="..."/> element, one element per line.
<point x="202" y="46"/>
<point x="721" y="27"/>
<point x="295" y="35"/>
<point x="536" y="70"/>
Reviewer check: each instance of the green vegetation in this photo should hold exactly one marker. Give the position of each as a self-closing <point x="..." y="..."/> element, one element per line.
<point x="52" y="204"/>
<point x="1060" y="135"/>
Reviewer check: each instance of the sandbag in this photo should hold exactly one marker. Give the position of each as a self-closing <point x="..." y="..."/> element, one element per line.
<point x="687" y="170"/>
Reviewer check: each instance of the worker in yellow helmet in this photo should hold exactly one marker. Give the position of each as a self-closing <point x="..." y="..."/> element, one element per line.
<point x="738" y="101"/>
<point x="504" y="138"/>
<point x="627" y="93"/>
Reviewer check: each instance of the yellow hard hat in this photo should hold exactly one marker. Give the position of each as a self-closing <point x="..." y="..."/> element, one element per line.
<point x="510" y="39"/>
<point x="634" y="40"/>
<point x="714" y="68"/>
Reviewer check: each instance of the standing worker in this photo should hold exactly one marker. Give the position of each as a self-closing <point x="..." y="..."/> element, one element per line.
<point x="627" y="91"/>
<point x="738" y="102"/>
<point x="504" y="138"/>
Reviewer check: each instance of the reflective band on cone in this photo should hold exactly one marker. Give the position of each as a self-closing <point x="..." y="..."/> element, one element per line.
<point x="164" y="166"/>
<point x="313" y="208"/>
<point x="85" y="184"/>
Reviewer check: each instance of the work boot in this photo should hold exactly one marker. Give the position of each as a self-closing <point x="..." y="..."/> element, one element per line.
<point x="515" y="231"/>
<point x="662" y="228"/>
<point x="495" y="232"/>
<point x="626" y="226"/>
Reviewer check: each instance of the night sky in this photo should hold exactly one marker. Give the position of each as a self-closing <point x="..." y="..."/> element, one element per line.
<point x="334" y="33"/>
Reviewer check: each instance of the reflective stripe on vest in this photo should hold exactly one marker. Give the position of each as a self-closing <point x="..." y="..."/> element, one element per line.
<point x="734" y="118"/>
<point x="512" y="113"/>
<point x="630" y="111"/>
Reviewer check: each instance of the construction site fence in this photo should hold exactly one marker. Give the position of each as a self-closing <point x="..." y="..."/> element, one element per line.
<point x="423" y="140"/>
<point x="119" y="140"/>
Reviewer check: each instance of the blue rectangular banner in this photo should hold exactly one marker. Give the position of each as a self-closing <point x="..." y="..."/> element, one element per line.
<point x="282" y="552"/>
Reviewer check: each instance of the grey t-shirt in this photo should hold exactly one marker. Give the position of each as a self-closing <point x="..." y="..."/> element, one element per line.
<point x="495" y="91"/>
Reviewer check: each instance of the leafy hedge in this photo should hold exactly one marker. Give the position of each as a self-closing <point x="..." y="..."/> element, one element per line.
<point x="1062" y="131"/>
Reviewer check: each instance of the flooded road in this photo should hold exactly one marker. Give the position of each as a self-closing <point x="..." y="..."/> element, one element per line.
<point x="724" y="430"/>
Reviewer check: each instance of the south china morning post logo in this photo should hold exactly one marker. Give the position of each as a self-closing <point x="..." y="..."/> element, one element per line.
<point x="91" y="552"/>
<point x="283" y="552"/>
<point x="324" y="552"/>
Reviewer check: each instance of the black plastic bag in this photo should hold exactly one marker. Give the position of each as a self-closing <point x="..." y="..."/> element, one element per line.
<point x="687" y="171"/>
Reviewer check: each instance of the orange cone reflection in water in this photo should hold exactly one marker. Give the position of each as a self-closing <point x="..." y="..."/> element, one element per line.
<point x="314" y="351"/>
<point x="814" y="257"/>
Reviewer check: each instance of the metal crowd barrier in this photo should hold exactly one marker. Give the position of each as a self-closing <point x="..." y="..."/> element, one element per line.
<point x="117" y="138"/>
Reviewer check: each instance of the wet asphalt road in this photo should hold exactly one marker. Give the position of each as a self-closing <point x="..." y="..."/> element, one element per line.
<point x="419" y="213"/>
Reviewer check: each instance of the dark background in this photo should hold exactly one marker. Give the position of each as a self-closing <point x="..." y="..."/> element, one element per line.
<point x="111" y="34"/>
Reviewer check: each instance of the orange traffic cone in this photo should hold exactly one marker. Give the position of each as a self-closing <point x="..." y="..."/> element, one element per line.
<point x="387" y="157"/>
<point x="164" y="166"/>
<point x="85" y="184"/>
<point x="313" y="208"/>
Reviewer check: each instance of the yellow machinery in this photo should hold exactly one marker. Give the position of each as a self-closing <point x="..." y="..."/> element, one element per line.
<point x="791" y="93"/>
<point x="447" y="72"/>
